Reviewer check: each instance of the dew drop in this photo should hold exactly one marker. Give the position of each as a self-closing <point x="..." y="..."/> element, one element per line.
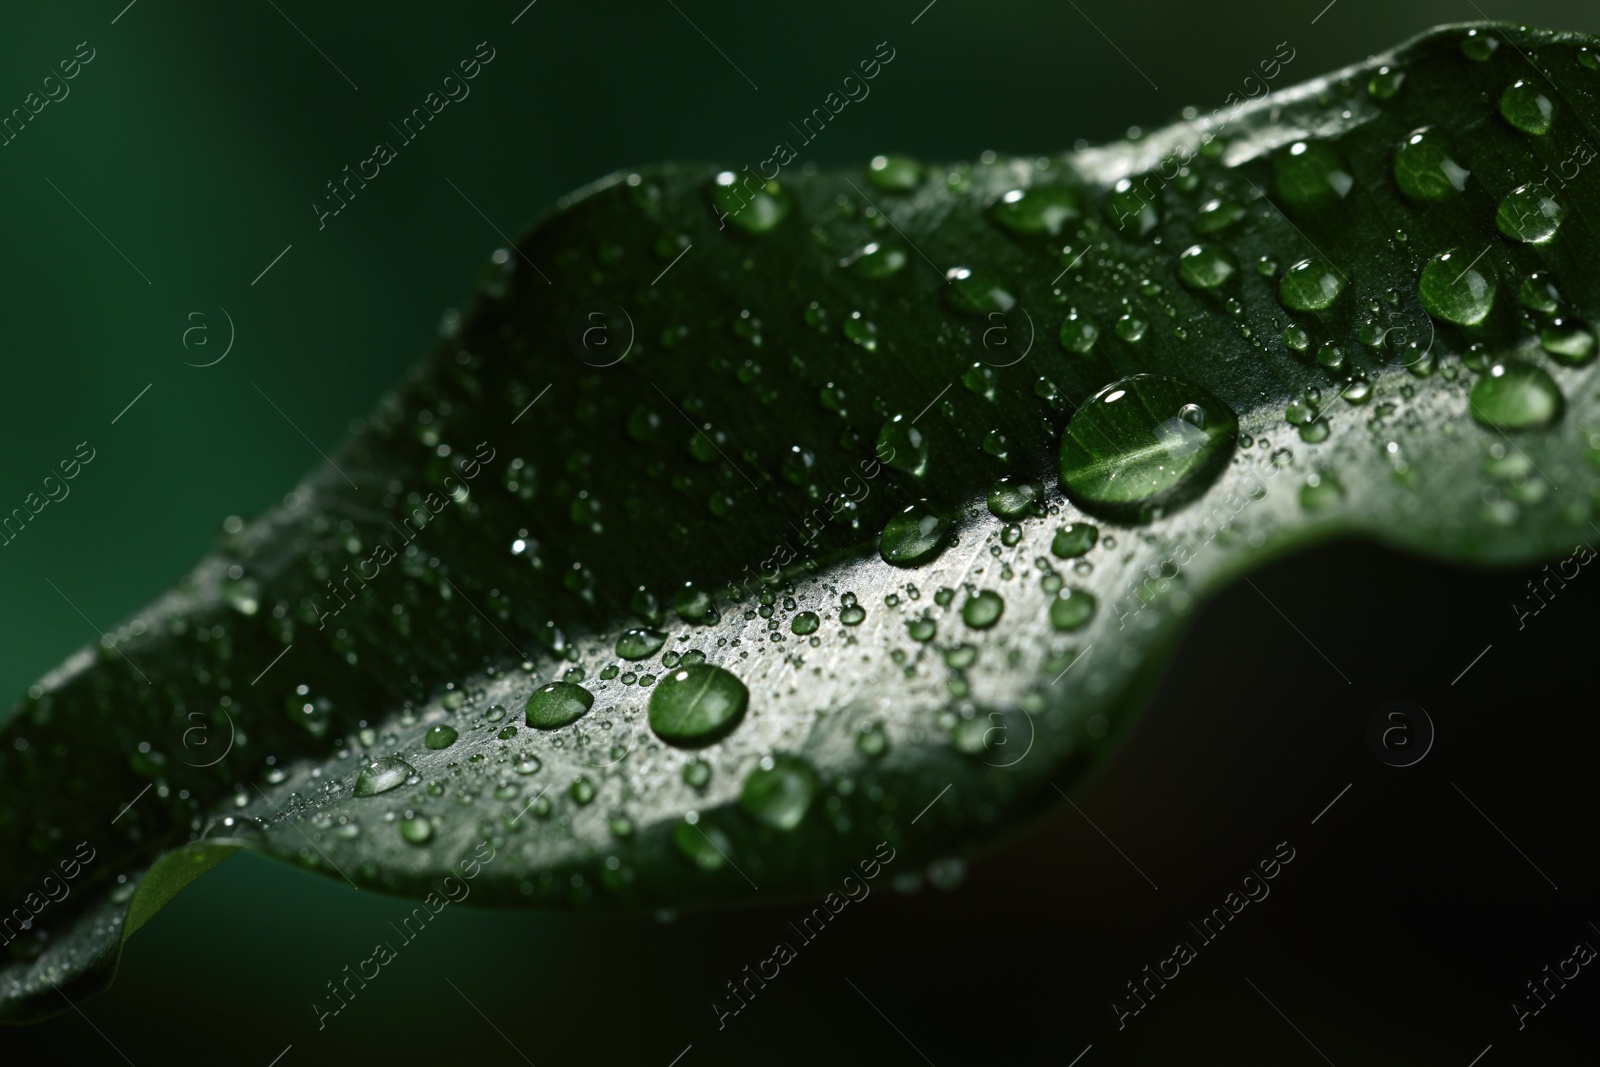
<point x="1071" y="610"/>
<point x="640" y="643"/>
<point x="753" y="207"/>
<point x="1457" y="288"/>
<point x="903" y="447"/>
<point x="1145" y="444"/>
<point x="1206" y="266"/>
<point x="976" y="292"/>
<point x="1311" y="176"/>
<point x="894" y="173"/>
<point x="440" y="736"/>
<point x="1011" y="498"/>
<point x="1078" y="334"/>
<point x="381" y="775"/>
<point x="1310" y="285"/>
<point x="1516" y="395"/>
<point x="1424" y="169"/>
<point x="914" y="536"/>
<point x="779" y="791"/>
<point x="982" y="609"/>
<point x="696" y="705"/>
<point x="416" y="829"/>
<point x="1043" y="210"/>
<point x="1529" y="214"/>
<point x="1567" y="342"/>
<point x="1525" y="106"/>
<point x="557" y="704"/>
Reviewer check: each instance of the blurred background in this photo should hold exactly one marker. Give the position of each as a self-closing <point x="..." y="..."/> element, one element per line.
<point x="178" y="176"/>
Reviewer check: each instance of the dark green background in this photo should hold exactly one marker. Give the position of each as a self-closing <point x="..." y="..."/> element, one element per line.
<point x="197" y="140"/>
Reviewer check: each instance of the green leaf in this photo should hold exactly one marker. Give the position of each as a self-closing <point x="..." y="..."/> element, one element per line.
<point x="863" y="507"/>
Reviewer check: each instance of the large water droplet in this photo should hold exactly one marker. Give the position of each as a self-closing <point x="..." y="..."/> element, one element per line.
<point x="1515" y="395"/>
<point x="778" y="792"/>
<point x="976" y="292"/>
<point x="1530" y="214"/>
<point x="1043" y="210"/>
<point x="1074" y="539"/>
<point x="1010" y="498"/>
<point x="1567" y="342"/>
<point x="1078" y="334"/>
<point x="1217" y="215"/>
<point x="1385" y="83"/>
<point x="706" y="846"/>
<point x="982" y="609"/>
<point x="1071" y="610"/>
<point x="1310" y="285"/>
<point x="1526" y="107"/>
<point x="696" y="705"/>
<point x="751" y="205"/>
<point x="1478" y="46"/>
<point x="1424" y="169"/>
<point x="1457" y="288"/>
<point x="555" y="705"/>
<point x="381" y="775"/>
<point x="694" y="604"/>
<point x="893" y="173"/>
<point x="875" y="260"/>
<point x="903" y="446"/>
<point x="416" y="829"/>
<point x="1206" y="266"/>
<point x="440" y="736"/>
<point x="1311" y="176"/>
<point x="640" y="643"/>
<point x="913" y="536"/>
<point x="1132" y="207"/>
<point x="1145" y="444"/>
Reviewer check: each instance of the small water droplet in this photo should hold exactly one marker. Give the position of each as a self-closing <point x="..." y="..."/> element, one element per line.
<point x="903" y="446"/>
<point x="982" y="609"/>
<point x="1145" y="444"/>
<point x="557" y="704"/>
<point x="1458" y="287"/>
<point x="1310" y="285"/>
<point x="381" y="775"/>
<point x="696" y="705"/>
<point x="1526" y="107"/>
<point x="779" y="791"/>
<point x="1044" y="210"/>
<point x="1568" y="342"/>
<point x="1012" y="498"/>
<point x="1424" y="169"/>
<point x="1529" y="214"/>
<point x="440" y="736"/>
<point x="894" y="173"/>
<point x="1206" y="266"/>
<point x="914" y="536"/>
<point x="1071" y="610"/>
<point x="640" y="643"/>
<point x="1516" y="395"/>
